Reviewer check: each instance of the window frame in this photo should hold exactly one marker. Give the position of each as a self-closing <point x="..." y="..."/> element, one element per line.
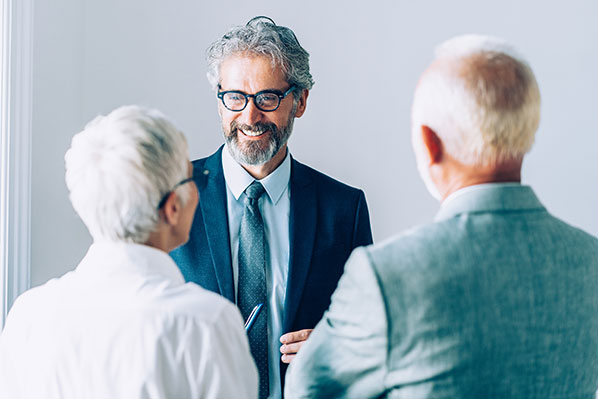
<point x="16" y="41"/>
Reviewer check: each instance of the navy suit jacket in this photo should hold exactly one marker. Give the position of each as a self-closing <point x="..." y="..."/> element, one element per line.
<point x="328" y="219"/>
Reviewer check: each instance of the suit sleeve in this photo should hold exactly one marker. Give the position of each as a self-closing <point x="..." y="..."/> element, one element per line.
<point x="362" y="231"/>
<point x="345" y="356"/>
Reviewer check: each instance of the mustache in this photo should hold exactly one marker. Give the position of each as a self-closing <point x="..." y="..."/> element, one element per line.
<point x="258" y="128"/>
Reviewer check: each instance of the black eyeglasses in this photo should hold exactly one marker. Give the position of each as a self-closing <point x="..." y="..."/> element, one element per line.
<point x="165" y="198"/>
<point x="266" y="100"/>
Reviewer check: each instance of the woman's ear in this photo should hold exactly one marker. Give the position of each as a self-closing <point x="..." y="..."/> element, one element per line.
<point x="172" y="209"/>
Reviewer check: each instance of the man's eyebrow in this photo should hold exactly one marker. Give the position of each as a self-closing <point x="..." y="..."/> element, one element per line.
<point x="273" y="90"/>
<point x="276" y="90"/>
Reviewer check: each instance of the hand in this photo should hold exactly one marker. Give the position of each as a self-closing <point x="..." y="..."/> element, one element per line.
<point x="291" y="343"/>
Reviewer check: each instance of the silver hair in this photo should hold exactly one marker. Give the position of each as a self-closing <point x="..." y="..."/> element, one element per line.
<point x="118" y="169"/>
<point x="262" y="37"/>
<point x="481" y="97"/>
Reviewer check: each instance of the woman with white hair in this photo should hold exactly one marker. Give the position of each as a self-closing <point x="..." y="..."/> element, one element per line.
<point x="124" y="324"/>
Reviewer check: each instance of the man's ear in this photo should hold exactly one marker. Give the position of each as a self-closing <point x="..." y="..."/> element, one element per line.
<point x="172" y="209"/>
<point x="301" y="103"/>
<point x="432" y="144"/>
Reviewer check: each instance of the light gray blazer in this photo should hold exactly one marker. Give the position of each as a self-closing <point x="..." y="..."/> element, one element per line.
<point x="496" y="299"/>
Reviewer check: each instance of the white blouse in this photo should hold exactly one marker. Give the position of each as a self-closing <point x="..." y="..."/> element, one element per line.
<point x="124" y="324"/>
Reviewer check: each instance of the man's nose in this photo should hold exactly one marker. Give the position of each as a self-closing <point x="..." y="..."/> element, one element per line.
<point x="251" y="114"/>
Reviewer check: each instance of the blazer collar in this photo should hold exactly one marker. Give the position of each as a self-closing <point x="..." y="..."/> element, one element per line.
<point x="302" y="233"/>
<point x="493" y="197"/>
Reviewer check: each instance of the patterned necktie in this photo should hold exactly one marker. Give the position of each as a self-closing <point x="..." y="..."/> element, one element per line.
<point x="252" y="280"/>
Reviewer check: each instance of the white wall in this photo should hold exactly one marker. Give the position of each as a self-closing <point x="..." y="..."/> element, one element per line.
<point x="92" y="56"/>
<point x="58" y="238"/>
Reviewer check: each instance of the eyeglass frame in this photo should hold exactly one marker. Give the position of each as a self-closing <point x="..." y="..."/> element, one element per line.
<point x="165" y="198"/>
<point x="281" y="96"/>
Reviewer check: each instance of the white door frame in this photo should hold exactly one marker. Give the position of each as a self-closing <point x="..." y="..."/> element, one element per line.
<point x="15" y="156"/>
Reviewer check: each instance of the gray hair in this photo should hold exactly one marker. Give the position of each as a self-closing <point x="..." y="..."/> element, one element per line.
<point x="262" y="37"/>
<point x="118" y="169"/>
<point x="481" y="98"/>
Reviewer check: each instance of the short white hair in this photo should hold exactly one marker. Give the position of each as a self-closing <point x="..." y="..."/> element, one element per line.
<point x="481" y="97"/>
<point x="118" y="169"/>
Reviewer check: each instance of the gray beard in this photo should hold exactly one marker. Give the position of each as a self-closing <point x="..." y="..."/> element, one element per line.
<point x="258" y="152"/>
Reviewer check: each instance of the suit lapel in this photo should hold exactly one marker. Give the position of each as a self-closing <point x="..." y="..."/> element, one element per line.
<point x="302" y="226"/>
<point x="212" y="200"/>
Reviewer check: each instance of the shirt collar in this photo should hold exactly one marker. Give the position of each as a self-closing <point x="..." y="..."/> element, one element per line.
<point x="107" y="257"/>
<point x="238" y="179"/>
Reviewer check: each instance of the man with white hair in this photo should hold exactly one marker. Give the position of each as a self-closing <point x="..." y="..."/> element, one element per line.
<point x="497" y="298"/>
<point x="124" y="324"/>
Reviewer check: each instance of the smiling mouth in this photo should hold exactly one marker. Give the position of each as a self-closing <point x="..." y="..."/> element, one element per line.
<point x="251" y="133"/>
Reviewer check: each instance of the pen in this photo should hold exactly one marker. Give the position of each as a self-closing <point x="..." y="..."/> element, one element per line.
<point x="253" y="316"/>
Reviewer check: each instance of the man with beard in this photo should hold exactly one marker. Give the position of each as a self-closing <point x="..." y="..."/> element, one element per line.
<point x="274" y="231"/>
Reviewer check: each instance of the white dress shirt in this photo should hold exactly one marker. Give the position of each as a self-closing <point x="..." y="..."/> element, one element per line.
<point x="275" y="210"/>
<point x="124" y="324"/>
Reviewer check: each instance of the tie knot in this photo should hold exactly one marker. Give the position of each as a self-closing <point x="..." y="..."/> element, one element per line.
<point x="255" y="190"/>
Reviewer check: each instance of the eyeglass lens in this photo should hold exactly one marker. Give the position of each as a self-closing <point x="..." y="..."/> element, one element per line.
<point x="264" y="101"/>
